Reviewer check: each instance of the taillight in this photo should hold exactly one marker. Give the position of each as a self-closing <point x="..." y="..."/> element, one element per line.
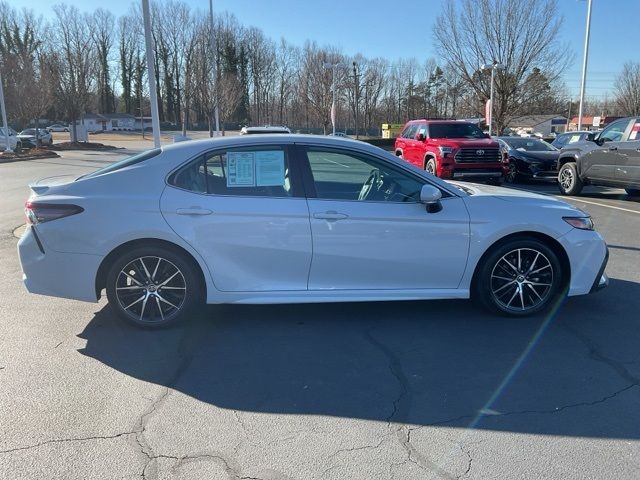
<point x="45" y="212"/>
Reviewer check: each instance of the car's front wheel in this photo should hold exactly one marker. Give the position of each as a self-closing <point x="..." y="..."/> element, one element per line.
<point x="430" y="166"/>
<point x="512" y="173"/>
<point x="519" y="277"/>
<point x="569" y="182"/>
<point x="153" y="287"/>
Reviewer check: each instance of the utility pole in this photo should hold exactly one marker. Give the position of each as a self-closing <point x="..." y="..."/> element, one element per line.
<point x="4" y="118"/>
<point x="355" y="83"/>
<point x="151" y="73"/>
<point x="583" y="81"/>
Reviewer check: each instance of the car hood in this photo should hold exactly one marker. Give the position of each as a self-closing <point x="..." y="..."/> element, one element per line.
<point x="539" y="156"/>
<point x="512" y="195"/>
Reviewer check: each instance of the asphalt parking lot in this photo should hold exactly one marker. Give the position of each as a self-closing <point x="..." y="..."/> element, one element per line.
<point x="333" y="391"/>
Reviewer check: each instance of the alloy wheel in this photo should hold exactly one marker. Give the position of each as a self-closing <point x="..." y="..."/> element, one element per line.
<point x="522" y="280"/>
<point x="151" y="289"/>
<point x="511" y="173"/>
<point x="566" y="179"/>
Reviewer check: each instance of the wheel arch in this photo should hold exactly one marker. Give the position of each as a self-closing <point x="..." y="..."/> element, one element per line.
<point x="398" y="152"/>
<point x="549" y="241"/>
<point x="103" y="269"/>
<point x="566" y="159"/>
<point x="429" y="156"/>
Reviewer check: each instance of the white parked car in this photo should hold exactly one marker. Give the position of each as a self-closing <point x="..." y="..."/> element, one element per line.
<point x="289" y="219"/>
<point x="264" y="130"/>
<point x="28" y="137"/>
<point x="57" y="128"/>
<point x="14" y="142"/>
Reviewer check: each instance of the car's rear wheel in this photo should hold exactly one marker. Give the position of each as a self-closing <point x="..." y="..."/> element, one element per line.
<point x="519" y="277"/>
<point x="569" y="181"/>
<point x="430" y="166"/>
<point x="153" y="287"/>
<point x="632" y="192"/>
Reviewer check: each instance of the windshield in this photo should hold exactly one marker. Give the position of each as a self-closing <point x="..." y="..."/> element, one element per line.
<point x="529" y="145"/>
<point x="454" y="130"/>
<point x="28" y="131"/>
<point x="140" y="157"/>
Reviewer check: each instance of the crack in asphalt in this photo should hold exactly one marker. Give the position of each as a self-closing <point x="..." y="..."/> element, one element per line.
<point x="598" y="356"/>
<point x="541" y="412"/>
<point x="64" y="440"/>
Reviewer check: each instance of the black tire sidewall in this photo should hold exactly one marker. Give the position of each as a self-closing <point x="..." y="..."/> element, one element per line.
<point x="481" y="289"/>
<point x="192" y="280"/>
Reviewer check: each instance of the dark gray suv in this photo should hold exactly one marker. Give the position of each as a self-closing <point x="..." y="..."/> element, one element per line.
<point x="609" y="158"/>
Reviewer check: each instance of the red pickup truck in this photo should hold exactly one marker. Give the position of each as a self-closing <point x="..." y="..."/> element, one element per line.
<point x="452" y="150"/>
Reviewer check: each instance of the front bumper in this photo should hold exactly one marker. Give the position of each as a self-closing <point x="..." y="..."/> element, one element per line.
<point x="66" y="275"/>
<point x="602" y="280"/>
<point x="588" y="254"/>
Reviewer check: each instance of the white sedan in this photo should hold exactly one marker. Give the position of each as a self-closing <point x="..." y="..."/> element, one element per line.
<point x="289" y="219"/>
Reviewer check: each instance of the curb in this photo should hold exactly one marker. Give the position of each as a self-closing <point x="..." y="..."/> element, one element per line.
<point x="34" y="157"/>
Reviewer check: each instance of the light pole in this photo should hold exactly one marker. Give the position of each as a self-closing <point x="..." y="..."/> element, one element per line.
<point x="215" y="70"/>
<point x="4" y="119"/>
<point x="583" y="81"/>
<point x="151" y="73"/>
<point x="495" y="65"/>
<point x="333" y="67"/>
<point x="355" y="83"/>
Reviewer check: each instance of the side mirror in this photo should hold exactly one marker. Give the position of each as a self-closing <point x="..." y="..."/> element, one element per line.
<point x="430" y="196"/>
<point x="421" y="137"/>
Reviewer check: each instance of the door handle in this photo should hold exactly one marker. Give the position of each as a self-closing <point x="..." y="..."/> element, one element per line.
<point x="193" y="211"/>
<point x="330" y="215"/>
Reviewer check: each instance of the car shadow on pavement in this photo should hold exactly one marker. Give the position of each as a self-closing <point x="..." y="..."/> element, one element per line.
<point x="575" y="372"/>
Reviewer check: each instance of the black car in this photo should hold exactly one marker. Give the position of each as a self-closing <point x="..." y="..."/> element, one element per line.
<point x="529" y="158"/>
<point x="567" y="138"/>
<point x="610" y="158"/>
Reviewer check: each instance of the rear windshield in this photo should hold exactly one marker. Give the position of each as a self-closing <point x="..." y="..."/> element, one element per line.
<point x="454" y="130"/>
<point x="140" y="157"/>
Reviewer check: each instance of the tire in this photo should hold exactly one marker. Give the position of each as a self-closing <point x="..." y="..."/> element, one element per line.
<point x="633" y="192"/>
<point x="150" y="301"/>
<point x="536" y="286"/>
<point x="569" y="182"/>
<point x="512" y="175"/>
<point x="430" y="166"/>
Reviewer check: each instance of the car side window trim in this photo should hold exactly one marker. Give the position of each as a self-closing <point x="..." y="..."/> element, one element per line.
<point x="297" y="190"/>
<point x="309" y="183"/>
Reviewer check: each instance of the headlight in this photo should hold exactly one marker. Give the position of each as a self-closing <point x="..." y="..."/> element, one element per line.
<point x="445" y="151"/>
<point x="582" y="223"/>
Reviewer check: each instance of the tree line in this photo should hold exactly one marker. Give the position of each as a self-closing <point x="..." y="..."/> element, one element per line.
<point x="73" y="63"/>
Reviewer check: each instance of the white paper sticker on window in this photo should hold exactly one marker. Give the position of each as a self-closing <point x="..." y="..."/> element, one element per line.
<point x="241" y="169"/>
<point x="270" y="168"/>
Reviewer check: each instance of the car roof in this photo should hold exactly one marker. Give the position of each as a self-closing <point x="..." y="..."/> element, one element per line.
<point x="442" y="122"/>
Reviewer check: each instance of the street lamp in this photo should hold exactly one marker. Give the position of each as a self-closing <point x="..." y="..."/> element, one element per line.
<point x="355" y="83"/>
<point x="333" y="66"/>
<point x="495" y="65"/>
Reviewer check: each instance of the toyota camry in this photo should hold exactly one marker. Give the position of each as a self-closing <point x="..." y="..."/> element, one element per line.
<point x="289" y="218"/>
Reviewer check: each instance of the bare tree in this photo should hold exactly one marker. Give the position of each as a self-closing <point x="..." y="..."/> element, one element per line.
<point x="482" y="32"/>
<point x="628" y="89"/>
<point x="101" y="27"/>
<point x="73" y="64"/>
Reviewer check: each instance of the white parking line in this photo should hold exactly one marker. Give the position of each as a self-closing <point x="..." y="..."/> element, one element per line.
<point x="604" y="205"/>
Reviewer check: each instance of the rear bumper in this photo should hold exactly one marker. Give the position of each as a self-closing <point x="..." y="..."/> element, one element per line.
<point x="66" y="275"/>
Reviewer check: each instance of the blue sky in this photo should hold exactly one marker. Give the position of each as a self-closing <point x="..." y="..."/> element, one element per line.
<point x="381" y="28"/>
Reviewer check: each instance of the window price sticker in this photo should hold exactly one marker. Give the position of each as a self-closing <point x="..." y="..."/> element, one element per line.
<point x="241" y="169"/>
<point x="270" y="168"/>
